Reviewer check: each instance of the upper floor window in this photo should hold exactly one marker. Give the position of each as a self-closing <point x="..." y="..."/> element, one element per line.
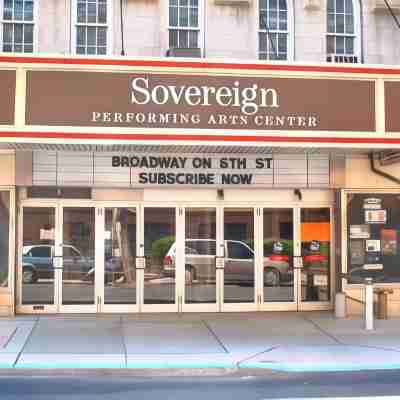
<point x="341" y="31"/>
<point x="184" y="27"/>
<point x="92" y="26"/>
<point x="273" y="33"/>
<point x="18" y="24"/>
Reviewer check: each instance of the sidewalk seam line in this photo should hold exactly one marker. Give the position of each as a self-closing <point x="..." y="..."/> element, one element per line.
<point x="10" y="338"/>
<point x="26" y="341"/>
<point x="123" y="342"/>
<point x="256" y="355"/>
<point x="323" y="330"/>
<point x="215" y="336"/>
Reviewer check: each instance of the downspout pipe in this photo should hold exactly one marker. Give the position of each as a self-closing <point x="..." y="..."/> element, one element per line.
<point x="380" y="172"/>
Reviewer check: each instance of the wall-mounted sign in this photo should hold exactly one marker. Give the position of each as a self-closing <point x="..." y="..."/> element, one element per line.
<point x="359" y="231"/>
<point x="375" y="216"/>
<point x="153" y="169"/>
<point x="7" y="97"/>
<point x="156" y="100"/>
<point x="392" y="115"/>
<point x="372" y="203"/>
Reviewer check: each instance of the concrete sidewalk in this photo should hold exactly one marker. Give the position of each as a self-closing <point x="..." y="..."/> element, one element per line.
<point x="297" y="342"/>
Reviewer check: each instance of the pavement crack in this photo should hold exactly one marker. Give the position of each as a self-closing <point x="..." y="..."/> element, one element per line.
<point x="323" y="330"/>
<point x="215" y="336"/>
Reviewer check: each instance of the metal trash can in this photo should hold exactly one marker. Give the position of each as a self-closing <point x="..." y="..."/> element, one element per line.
<point x="382" y="306"/>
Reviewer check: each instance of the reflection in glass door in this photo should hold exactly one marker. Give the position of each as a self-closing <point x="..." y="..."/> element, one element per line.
<point x="200" y="253"/>
<point x="278" y="272"/>
<point x="160" y="253"/>
<point x="120" y="256"/>
<point x="37" y="270"/>
<point x="78" y="256"/>
<point x="239" y="269"/>
<point x="315" y="248"/>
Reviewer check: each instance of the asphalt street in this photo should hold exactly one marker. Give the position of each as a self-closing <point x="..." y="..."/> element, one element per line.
<point x="371" y="385"/>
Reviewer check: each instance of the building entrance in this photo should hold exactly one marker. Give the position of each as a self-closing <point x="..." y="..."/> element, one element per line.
<point x="88" y="256"/>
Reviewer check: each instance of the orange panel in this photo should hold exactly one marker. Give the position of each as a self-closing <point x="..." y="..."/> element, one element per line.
<point x="320" y="231"/>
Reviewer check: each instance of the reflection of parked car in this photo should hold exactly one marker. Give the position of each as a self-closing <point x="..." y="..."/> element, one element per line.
<point x="239" y="262"/>
<point x="37" y="262"/>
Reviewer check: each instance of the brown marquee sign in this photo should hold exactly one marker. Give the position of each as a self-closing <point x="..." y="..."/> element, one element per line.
<point x="212" y="102"/>
<point x="392" y="98"/>
<point x="7" y="97"/>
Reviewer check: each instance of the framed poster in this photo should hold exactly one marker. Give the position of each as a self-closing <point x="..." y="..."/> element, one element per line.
<point x="389" y="242"/>
<point x="375" y="216"/>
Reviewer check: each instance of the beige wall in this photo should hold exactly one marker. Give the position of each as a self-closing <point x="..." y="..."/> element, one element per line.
<point x="359" y="175"/>
<point x="7" y="169"/>
<point x="231" y="30"/>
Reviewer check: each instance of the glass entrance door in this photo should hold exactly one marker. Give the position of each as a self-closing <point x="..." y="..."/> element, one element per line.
<point x="316" y="273"/>
<point x="162" y="257"/>
<point x="57" y="259"/>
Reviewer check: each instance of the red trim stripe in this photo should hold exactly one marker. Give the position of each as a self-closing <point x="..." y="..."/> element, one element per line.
<point x="200" y="65"/>
<point x="198" y="138"/>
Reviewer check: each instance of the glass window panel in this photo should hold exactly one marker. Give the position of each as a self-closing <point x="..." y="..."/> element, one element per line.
<point x="315" y="251"/>
<point x="273" y="20"/>
<point x="349" y="45"/>
<point x="28" y="48"/>
<point x="81" y="36"/>
<point x="18" y="33"/>
<point x="193" y="42"/>
<point x="340" y="24"/>
<point x="183" y="39"/>
<point x="28" y="11"/>
<point x="263" y="20"/>
<point x="102" y="13"/>
<point x="173" y="16"/>
<point x="349" y="6"/>
<point x="102" y="50"/>
<point x="102" y="36"/>
<point x="18" y="10"/>
<point x="120" y="256"/>
<point x="349" y="24"/>
<point x="194" y="3"/>
<point x="173" y="2"/>
<point x="183" y="2"/>
<point x="194" y="15"/>
<point x="28" y="34"/>
<point x="282" y="43"/>
<point x="239" y="268"/>
<point x="330" y="44"/>
<point x="273" y="4"/>
<point x="200" y="252"/>
<point x="91" y="35"/>
<point x="160" y="254"/>
<point x="273" y="44"/>
<point x="80" y="50"/>
<point x="282" y="5"/>
<point x="183" y="17"/>
<point x="81" y="13"/>
<point x="331" y="23"/>
<point x="7" y="47"/>
<point x="263" y="56"/>
<point x="340" y="45"/>
<point x="8" y="33"/>
<point x="283" y="20"/>
<point x="173" y="38"/>
<point x="4" y="237"/>
<point x="263" y="4"/>
<point x="91" y="17"/>
<point x="8" y="9"/>
<point x="91" y="50"/>
<point x="18" y="48"/>
<point x="340" y="6"/>
<point x="278" y="255"/>
<point x="262" y="42"/>
<point x="331" y="6"/>
<point x="37" y="263"/>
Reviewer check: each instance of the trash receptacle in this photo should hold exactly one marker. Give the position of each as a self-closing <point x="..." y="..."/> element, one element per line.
<point x="382" y="309"/>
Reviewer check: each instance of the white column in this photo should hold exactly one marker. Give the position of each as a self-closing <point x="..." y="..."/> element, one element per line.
<point x="369" y="305"/>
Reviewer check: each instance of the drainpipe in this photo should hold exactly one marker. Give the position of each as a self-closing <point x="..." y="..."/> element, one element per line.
<point x="380" y="172"/>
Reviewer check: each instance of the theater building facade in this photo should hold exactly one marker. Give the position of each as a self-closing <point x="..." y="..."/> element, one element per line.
<point x="138" y="185"/>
